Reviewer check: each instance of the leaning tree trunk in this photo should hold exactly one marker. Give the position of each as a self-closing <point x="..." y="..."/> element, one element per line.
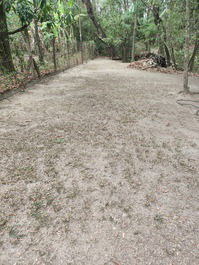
<point x="100" y="32"/>
<point x="187" y="42"/>
<point x="6" y="62"/>
<point x="91" y="15"/>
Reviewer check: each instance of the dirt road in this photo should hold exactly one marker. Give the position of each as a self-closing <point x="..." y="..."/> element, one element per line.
<point x="99" y="166"/>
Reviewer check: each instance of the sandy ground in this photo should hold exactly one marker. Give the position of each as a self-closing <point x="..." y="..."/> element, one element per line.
<point x="99" y="166"/>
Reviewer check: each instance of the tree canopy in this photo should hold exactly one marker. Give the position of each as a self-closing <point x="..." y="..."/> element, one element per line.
<point x="119" y="28"/>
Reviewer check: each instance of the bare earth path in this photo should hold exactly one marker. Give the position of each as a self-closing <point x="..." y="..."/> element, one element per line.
<point x="99" y="166"/>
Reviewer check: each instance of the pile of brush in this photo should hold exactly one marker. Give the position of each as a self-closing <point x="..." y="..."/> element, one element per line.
<point x="148" y="60"/>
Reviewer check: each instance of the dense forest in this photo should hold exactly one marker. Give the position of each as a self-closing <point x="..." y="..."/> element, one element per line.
<point x="38" y="36"/>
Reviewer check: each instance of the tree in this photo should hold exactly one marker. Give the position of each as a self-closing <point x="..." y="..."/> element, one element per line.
<point x="120" y="28"/>
<point x="101" y="35"/>
<point x="89" y="7"/>
<point x="6" y="62"/>
<point x="37" y="37"/>
<point x="187" y="43"/>
<point x="134" y="32"/>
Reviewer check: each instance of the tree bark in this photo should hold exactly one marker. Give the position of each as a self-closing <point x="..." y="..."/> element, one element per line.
<point x="37" y="37"/>
<point x="54" y="54"/>
<point x="173" y="58"/>
<point x="100" y="32"/>
<point x="80" y="38"/>
<point x="38" y="42"/>
<point x="162" y="41"/>
<point x="32" y="63"/>
<point x="195" y="51"/>
<point x="91" y="15"/>
<point x="6" y="62"/>
<point x="134" y="37"/>
<point x="187" y="42"/>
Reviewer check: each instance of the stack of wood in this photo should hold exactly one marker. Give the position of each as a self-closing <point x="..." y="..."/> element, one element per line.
<point x="148" y="60"/>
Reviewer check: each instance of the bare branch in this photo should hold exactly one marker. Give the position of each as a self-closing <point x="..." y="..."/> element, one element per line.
<point x="18" y="30"/>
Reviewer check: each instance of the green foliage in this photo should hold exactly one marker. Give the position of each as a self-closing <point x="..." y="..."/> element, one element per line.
<point x="117" y="18"/>
<point x="148" y="30"/>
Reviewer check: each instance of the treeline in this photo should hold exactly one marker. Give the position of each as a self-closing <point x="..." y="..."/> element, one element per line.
<point x="38" y="35"/>
<point x="41" y="34"/>
<point x="128" y="27"/>
<point x="165" y="27"/>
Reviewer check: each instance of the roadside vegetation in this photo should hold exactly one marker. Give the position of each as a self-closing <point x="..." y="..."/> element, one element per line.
<point x="42" y="36"/>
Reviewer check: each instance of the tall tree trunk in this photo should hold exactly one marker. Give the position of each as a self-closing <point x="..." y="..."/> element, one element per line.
<point x="37" y="37"/>
<point x="91" y="15"/>
<point x="195" y="51"/>
<point x="6" y="62"/>
<point x="100" y="32"/>
<point x="68" y="53"/>
<point x="20" y="57"/>
<point x="162" y="40"/>
<point x="134" y="37"/>
<point x="173" y="58"/>
<point x="80" y="38"/>
<point x="161" y="50"/>
<point x="54" y="54"/>
<point x="148" y="46"/>
<point x="32" y="63"/>
<point x="187" y="42"/>
<point x="94" y="5"/>
<point x="168" y="56"/>
<point x="38" y="42"/>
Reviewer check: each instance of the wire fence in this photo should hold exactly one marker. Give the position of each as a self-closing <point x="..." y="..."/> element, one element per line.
<point x="58" y="57"/>
<point x="62" y="56"/>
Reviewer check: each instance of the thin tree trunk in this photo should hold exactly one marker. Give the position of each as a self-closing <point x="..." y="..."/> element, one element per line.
<point x="195" y="51"/>
<point x="80" y="37"/>
<point x="134" y="37"/>
<point x="187" y="42"/>
<point x="163" y="48"/>
<point x="173" y="57"/>
<point x="148" y="46"/>
<point x="32" y="63"/>
<point x="168" y="56"/>
<point x="68" y="54"/>
<point x="20" y="57"/>
<point x="54" y="54"/>
<point x="6" y="62"/>
<point x="37" y="37"/>
<point x="38" y="42"/>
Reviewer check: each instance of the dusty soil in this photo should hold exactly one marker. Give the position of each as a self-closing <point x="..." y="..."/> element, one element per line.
<point x="99" y="166"/>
